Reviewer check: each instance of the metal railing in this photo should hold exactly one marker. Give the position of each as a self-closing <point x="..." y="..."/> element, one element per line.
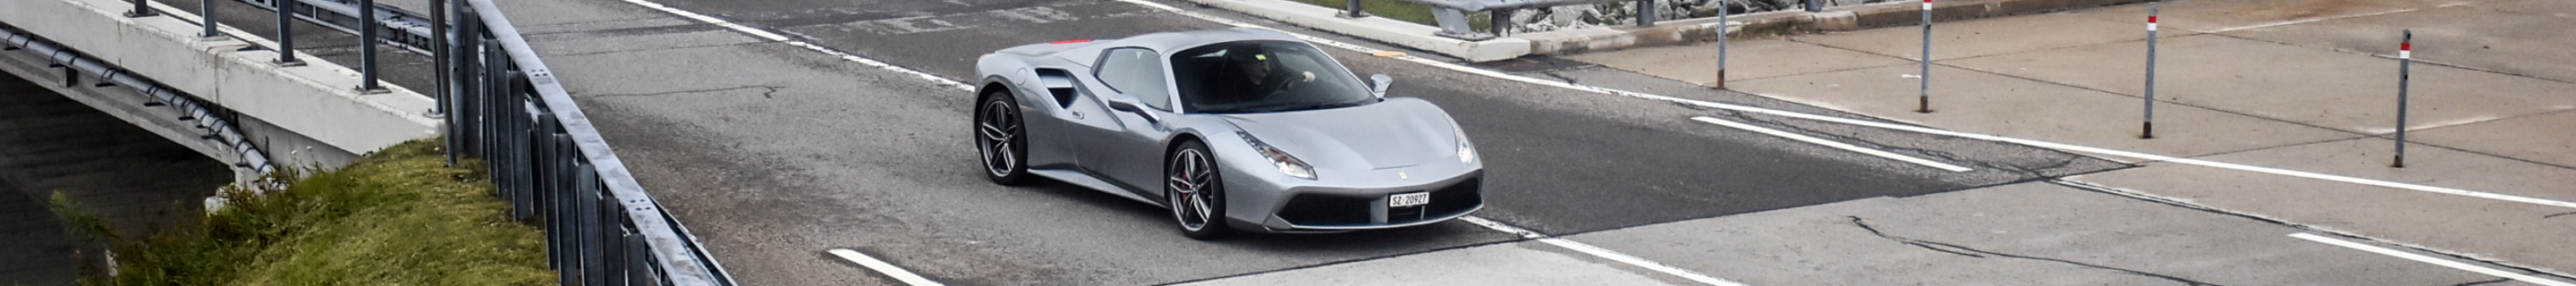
<point x="502" y="105"/>
<point x="554" y="167"/>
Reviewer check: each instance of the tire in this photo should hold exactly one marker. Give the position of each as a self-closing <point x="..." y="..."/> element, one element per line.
<point x="1001" y="137"/>
<point x="1195" y="191"/>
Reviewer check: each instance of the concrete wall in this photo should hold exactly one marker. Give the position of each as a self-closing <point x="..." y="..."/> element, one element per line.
<point x="317" y="101"/>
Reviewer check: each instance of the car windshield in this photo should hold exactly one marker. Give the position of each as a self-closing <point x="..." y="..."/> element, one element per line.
<point x="1263" y="76"/>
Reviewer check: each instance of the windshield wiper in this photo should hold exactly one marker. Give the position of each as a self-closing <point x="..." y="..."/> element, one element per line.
<point x="1287" y="107"/>
<point x="1300" y="106"/>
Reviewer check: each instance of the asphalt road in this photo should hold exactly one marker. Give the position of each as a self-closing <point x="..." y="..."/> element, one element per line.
<point x="774" y="154"/>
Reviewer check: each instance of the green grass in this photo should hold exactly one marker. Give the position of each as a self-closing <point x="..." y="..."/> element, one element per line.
<point x="396" y="217"/>
<point x="1405" y="11"/>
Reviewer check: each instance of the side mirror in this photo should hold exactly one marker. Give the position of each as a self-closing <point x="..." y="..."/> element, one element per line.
<point x="1378" y="84"/>
<point x="1130" y="107"/>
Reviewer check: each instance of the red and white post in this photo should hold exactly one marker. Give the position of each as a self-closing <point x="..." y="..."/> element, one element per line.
<point x="2405" y="61"/>
<point x="1923" y="102"/>
<point x="2147" y="129"/>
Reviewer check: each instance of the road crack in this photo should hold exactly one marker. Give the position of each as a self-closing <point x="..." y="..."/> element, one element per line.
<point x="1552" y="73"/>
<point x="1941" y="155"/>
<point x="2551" y="216"/>
<point x="1978" y="253"/>
<point x="767" y="91"/>
<point x="2498" y="280"/>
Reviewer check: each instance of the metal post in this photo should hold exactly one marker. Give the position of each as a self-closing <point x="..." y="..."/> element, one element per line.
<point x="639" y="262"/>
<point x="487" y="107"/>
<point x="1816" y="5"/>
<point x="141" y="9"/>
<point x="367" y="48"/>
<point x="469" y="42"/>
<point x="438" y="55"/>
<point x="1923" y="103"/>
<point x="1646" y="13"/>
<point x="1352" y="10"/>
<point x="1722" y="11"/>
<point x="207" y="19"/>
<point x="2405" y="63"/>
<point x="580" y="202"/>
<point x="286" y="33"/>
<point x="594" y="258"/>
<point x="612" y="254"/>
<point x="2147" y="129"/>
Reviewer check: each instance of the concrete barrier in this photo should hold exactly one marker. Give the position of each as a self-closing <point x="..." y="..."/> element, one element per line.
<point x="1573" y="41"/>
<point x="1391" y="31"/>
<point x="317" y="101"/>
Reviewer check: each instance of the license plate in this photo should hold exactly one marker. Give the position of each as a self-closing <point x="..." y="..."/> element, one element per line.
<point x="1408" y="199"/>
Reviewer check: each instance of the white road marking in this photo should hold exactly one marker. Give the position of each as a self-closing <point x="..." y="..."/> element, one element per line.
<point x="1505" y="228"/>
<point x="2436" y="124"/>
<point x="2429" y="259"/>
<point x="775" y="37"/>
<point x="2305" y="21"/>
<point x="882" y="267"/>
<point x="1831" y="143"/>
<point x="2076" y="182"/>
<point x="1603" y="253"/>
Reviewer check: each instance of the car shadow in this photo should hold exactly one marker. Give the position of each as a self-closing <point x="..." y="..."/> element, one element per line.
<point x="1443" y="235"/>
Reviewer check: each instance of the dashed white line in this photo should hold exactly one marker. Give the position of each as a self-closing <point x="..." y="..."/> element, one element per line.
<point x="2429" y="259"/>
<point x="882" y="267"/>
<point x="775" y="37"/>
<point x="2305" y="21"/>
<point x="1603" y="253"/>
<point x="1831" y="143"/>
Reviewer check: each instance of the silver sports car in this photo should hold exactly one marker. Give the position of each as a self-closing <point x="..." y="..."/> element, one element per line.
<point x="1233" y="129"/>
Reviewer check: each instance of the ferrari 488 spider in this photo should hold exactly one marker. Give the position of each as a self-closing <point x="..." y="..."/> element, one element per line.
<point x="1232" y="129"/>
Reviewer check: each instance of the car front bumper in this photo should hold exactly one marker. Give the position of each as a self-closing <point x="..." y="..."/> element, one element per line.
<point x="1322" y="209"/>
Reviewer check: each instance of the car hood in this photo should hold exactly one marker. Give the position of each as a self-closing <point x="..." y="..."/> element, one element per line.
<point x="1396" y="133"/>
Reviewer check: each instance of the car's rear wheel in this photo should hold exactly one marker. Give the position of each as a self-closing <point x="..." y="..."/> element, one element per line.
<point x="1000" y="137"/>
<point x="1195" y="191"/>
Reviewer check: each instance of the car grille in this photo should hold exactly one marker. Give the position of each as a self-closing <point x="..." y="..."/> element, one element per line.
<point x="1320" y="209"/>
<point x="1332" y="210"/>
<point x="1456" y="198"/>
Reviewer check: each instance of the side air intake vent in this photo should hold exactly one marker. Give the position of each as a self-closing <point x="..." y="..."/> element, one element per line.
<point x="1058" y="83"/>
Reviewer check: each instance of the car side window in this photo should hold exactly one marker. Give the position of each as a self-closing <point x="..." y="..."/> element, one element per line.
<point x="1136" y="71"/>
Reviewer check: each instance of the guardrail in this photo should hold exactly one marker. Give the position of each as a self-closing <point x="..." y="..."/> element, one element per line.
<point x="553" y="166"/>
<point x="1451" y="16"/>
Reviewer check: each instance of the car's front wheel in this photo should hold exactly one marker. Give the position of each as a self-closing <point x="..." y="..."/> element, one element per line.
<point x="1000" y="137"/>
<point x="1194" y="191"/>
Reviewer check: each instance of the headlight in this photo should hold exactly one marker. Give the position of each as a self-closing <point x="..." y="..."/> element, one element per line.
<point x="1287" y="164"/>
<point x="1466" y="153"/>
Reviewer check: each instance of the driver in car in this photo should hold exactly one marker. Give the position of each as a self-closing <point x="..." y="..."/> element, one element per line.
<point x="1259" y="79"/>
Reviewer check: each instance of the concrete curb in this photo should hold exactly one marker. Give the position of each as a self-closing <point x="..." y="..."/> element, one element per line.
<point x="1380" y="29"/>
<point x="317" y="100"/>
<point x="1853" y="17"/>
